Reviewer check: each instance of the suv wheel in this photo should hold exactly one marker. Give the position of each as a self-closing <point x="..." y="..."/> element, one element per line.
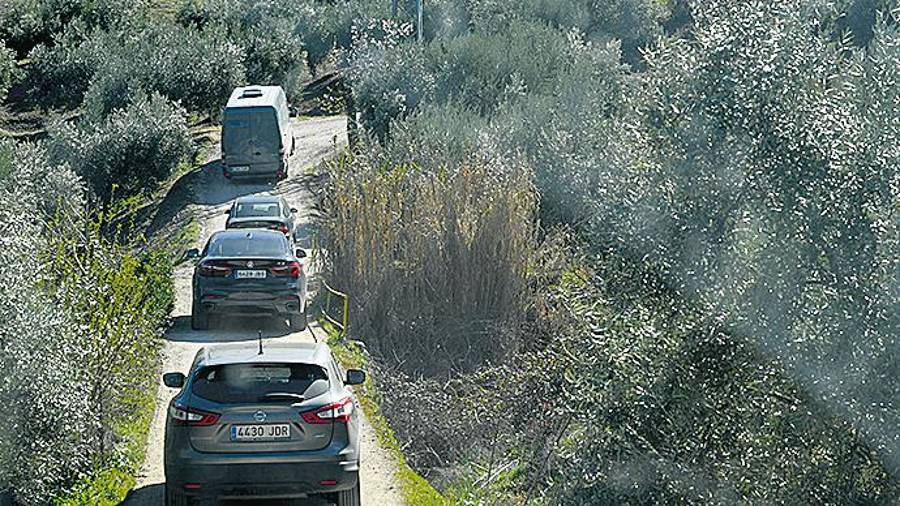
<point x="176" y="498"/>
<point x="349" y="497"/>
<point x="199" y="317"/>
<point x="298" y="322"/>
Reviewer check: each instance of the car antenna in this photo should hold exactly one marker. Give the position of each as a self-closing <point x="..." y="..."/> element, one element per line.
<point x="260" y="342"/>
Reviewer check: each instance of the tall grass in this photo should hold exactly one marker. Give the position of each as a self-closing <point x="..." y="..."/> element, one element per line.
<point x="435" y="261"/>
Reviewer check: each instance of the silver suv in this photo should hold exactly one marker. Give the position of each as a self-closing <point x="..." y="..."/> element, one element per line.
<point x="263" y="421"/>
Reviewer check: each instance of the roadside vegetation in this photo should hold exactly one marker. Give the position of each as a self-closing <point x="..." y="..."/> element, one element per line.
<point x="692" y="212"/>
<point x="600" y="252"/>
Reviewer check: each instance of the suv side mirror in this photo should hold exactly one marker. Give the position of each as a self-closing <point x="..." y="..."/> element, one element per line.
<point x="173" y="379"/>
<point x="355" y="377"/>
<point x="300" y="253"/>
<point x="192" y="253"/>
<point x="293" y="210"/>
<point x="227" y="212"/>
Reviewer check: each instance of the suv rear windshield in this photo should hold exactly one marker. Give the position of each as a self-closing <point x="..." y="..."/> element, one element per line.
<point x="250" y="383"/>
<point x="247" y="245"/>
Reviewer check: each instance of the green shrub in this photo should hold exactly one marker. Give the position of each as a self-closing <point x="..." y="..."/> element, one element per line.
<point x="127" y="152"/>
<point x="8" y="71"/>
<point x="80" y="322"/>
<point x="661" y="404"/>
<point x="197" y="69"/>
<point x="272" y="50"/>
<point x="26" y="23"/>
<point x="60" y="74"/>
<point x="46" y="427"/>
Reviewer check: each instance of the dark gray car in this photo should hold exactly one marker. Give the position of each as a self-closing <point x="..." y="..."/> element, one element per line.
<point x="249" y="273"/>
<point x="273" y="425"/>
<point x="265" y="211"/>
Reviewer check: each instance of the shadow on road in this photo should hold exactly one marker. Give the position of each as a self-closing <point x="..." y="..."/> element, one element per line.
<point x="152" y="495"/>
<point x="146" y="496"/>
<point x="227" y="330"/>
<point x="227" y="190"/>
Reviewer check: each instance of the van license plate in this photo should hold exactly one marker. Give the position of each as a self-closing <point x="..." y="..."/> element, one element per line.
<point x="240" y="168"/>
<point x="270" y="432"/>
<point x="250" y="274"/>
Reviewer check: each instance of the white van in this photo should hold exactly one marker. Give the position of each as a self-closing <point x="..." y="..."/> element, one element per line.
<point x="257" y="139"/>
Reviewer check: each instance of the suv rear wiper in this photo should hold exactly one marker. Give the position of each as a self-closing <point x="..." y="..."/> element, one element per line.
<point x="283" y="395"/>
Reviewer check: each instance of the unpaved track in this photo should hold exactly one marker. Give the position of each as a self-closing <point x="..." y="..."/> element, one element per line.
<point x="212" y="194"/>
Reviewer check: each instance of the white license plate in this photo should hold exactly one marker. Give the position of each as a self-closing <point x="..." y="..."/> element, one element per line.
<point x="270" y="432"/>
<point x="250" y="274"/>
<point x="240" y="168"/>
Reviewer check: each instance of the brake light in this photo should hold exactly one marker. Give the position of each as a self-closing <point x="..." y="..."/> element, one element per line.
<point x="292" y="269"/>
<point x="283" y="228"/>
<point x="338" y="412"/>
<point x="214" y="269"/>
<point x="182" y="415"/>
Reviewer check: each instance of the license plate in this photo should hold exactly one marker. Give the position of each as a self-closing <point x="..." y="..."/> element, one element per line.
<point x="250" y="274"/>
<point x="270" y="432"/>
<point x="240" y="168"/>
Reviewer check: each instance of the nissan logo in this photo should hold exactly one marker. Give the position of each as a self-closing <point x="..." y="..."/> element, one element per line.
<point x="260" y="416"/>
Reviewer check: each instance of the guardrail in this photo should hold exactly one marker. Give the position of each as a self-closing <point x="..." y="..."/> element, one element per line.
<point x="345" y="317"/>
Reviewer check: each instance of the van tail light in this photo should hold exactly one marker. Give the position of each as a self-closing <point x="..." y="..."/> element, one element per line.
<point x="183" y="415"/>
<point x="291" y="269"/>
<point x="340" y="411"/>
<point x="214" y="269"/>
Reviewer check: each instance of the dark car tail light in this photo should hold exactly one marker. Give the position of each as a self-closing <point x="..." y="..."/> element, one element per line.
<point x="340" y="411"/>
<point x="291" y="269"/>
<point x="182" y="415"/>
<point x="214" y="269"/>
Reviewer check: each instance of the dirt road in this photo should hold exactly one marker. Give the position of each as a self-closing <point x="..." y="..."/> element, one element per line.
<point x="211" y="196"/>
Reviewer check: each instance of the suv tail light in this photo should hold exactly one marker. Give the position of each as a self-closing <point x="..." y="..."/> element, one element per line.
<point x="292" y="269"/>
<point x="214" y="269"/>
<point x="338" y="412"/>
<point x="283" y="228"/>
<point x="182" y="415"/>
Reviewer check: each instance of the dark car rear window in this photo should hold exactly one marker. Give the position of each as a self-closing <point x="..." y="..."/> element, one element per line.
<point x="248" y="245"/>
<point x="257" y="210"/>
<point x="248" y="383"/>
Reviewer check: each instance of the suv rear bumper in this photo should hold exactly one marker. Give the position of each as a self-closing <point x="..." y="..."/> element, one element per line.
<point x="222" y="477"/>
<point x="253" y="308"/>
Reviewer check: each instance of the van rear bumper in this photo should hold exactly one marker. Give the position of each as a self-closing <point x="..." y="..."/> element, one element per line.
<point x="253" y="170"/>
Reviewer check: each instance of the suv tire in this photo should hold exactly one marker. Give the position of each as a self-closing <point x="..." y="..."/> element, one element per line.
<point x="350" y="497"/>
<point x="176" y="498"/>
<point x="199" y="317"/>
<point x="297" y="322"/>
